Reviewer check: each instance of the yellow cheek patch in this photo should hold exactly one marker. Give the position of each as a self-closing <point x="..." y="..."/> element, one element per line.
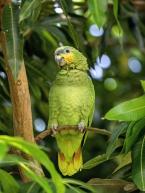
<point x="68" y="58"/>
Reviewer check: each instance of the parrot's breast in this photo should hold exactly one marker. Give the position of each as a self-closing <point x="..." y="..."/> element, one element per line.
<point x="73" y="98"/>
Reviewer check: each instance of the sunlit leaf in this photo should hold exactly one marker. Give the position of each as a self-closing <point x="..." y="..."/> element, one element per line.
<point x="143" y="84"/>
<point x="31" y="149"/>
<point x="25" y="165"/>
<point x="131" y="110"/>
<point x="3" y="149"/>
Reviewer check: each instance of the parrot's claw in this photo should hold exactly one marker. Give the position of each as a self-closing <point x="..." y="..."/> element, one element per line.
<point x="54" y="129"/>
<point x="81" y="126"/>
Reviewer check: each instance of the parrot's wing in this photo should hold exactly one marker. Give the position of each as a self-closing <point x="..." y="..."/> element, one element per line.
<point x="90" y="121"/>
<point x="53" y="106"/>
<point x="91" y="113"/>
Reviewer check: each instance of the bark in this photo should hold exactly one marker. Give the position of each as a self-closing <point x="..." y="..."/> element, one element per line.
<point x="21" y="104"/>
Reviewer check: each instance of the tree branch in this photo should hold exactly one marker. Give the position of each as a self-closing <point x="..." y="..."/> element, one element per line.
<point x="48" y="132"/>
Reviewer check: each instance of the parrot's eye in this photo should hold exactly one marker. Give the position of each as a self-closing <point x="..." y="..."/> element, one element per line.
<point x="67" y="51"/>
<point x="57" y="54"/>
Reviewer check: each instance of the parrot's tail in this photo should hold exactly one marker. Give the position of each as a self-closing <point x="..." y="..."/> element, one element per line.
<point x="70" y="167"/>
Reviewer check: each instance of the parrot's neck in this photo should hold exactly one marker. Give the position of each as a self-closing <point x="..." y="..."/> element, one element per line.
<point x="73" y="76"/>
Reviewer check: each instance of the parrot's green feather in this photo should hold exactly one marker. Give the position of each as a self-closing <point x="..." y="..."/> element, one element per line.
<point x="71" y="102"/>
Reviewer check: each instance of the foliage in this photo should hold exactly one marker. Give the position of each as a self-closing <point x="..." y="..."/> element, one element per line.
<point x="43" y="28"/>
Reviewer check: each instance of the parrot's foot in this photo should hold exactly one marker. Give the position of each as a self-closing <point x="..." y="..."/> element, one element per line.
<point x="81" y="126"/>
<point x="54" y="129"/>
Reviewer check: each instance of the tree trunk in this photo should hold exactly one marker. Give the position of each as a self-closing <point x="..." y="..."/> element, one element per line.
<point x="21" y="104"/>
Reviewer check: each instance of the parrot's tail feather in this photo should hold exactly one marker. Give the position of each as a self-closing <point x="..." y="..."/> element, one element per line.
<point x="70" y="167"/>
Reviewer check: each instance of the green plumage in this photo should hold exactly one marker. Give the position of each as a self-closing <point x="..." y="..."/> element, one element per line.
<point x="71" y="102"/>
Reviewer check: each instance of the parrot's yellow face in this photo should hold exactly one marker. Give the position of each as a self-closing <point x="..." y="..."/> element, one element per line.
<point x="70" y="58"/>
<point x="64" y="56"/>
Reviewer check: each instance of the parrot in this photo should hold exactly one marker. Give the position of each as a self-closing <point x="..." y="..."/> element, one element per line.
<point x="71" y="103"/>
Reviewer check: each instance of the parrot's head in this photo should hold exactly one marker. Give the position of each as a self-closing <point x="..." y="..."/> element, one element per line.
<point x="70" y="58"/>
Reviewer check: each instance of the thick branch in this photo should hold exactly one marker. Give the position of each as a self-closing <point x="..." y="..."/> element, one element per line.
<point x="22" y="115"/>
<point x="48" y="132"/>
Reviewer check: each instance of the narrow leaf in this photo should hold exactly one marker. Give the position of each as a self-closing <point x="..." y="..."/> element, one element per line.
<point x="122" y="161"/>
<point x="131" y="110"/>
<point x="95" y="161"/>
<point x="132" y="134"/>
<point x="98" y="10"/>
<point x="8" y="183"/>
<point x="72" y="189"/>
<point x="14" y="43"/>
<point x="40" y="180"/>
<point x="79" y="183"/>
<point x="3" y="149"/>
<point x="72" y="31"/>
<point x="36" y="153"/>
<point x="30" y="10"/>
<point x="113" y="141"/>
<point x="15" y="160"/>
<point x="138" y="164"/>
<point x="143" y="84"/>
<point x="115" y="10"/>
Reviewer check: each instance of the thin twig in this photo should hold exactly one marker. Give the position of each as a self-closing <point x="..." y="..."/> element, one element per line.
<point x="48" y="132"/>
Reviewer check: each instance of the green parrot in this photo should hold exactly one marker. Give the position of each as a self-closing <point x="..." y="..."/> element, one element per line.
<point x="71" y="102"/>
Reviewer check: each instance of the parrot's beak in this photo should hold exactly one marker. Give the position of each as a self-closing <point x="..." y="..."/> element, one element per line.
<point x="60" y="60"/>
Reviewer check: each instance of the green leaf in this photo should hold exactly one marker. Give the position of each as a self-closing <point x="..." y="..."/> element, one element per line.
<point x="132" y="134"/>
<point x="143" y="84"/>
<point x="131" y="110"/>
<point x="79" y="183"/>
<point x="122" y="161"/>
<point x="47" y="36"/>
<point x="13" y="160"/>
<point x="43" y="182"/>
<point x="9" y="184"/>
<point x="72" y="189"/>
<point x="3" y="149"/>
<point x="113" y="141"/>
<point x="14" y="42"/>
<point x="95" y="161"/>
<point x="98" y="10"/>
<point x="115" y="10"/>
<point x="30" y="10"/>
<point x="138" y="164"/>
<point x="31" y="187"/>
<point x="36" y="153"/>
<point x="111" y="185"/>
<point x="72" y="31"/>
